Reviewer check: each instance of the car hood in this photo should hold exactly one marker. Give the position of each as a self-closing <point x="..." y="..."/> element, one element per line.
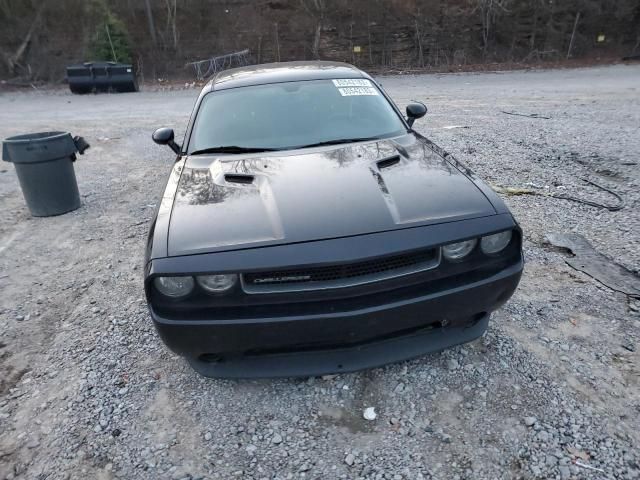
<point x="228" y="202"/>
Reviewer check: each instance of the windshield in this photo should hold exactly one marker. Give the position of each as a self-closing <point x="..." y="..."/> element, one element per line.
<point x="293" y="114"/>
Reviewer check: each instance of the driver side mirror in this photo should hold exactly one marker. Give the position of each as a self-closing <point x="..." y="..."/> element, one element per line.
<point x="164" y="136"/>
<point x="415" y="111"/>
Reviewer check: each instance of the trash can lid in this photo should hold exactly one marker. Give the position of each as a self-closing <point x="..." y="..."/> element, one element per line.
<point x="37" y="147"/>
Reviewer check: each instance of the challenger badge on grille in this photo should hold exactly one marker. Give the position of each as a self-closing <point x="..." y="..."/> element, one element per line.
<point x="290" y="278"/>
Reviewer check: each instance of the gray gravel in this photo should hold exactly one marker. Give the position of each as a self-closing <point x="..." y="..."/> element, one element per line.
<point x="551" y="391"/>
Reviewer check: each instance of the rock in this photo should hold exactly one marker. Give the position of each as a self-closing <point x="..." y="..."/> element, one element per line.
<point x="452" y="364"/>
<point x="543" y="436"/>
<point x="350" y="459"/>
<point x="565" y="472"/>
<point x="180" y="474"/>
<point x="34" y="443"/>
<point x="370" y="413"/>
<point x="276" y="439"/>
<point x="530" y="421"/>
<point x="207" y="436"/>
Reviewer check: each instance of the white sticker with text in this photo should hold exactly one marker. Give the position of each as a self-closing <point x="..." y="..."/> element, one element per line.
<point x="353" y="91"/>
<point x="352" y="82"/>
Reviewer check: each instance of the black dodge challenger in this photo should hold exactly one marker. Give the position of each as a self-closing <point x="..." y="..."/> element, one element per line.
<point x="306" y="228"/>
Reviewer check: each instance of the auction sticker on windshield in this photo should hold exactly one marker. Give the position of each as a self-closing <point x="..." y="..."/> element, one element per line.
<point x="355" y="86"/>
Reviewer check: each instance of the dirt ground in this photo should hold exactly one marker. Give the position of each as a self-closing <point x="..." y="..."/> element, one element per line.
<point x="87" y="390"/>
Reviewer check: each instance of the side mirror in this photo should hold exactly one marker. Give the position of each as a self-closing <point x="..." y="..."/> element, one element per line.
<point x="415" y="111"/>
<point x="164" y="136"/>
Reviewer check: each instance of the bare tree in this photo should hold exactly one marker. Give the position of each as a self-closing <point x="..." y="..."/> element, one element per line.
<point x="172" y="13"/>
<point x="573" y="35"/>
<point x="12" y="61"/>
<point x="317" y="9"/>
<point x="152" y="23"/>
<point x="489" y="10"/>
<point x="277" y="41"/>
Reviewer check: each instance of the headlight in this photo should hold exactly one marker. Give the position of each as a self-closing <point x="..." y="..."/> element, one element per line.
<point x="495" y="243"/>
<point x="217" y="283"/>
<point x="174" y="287"/>
<point x="457" y="251"/>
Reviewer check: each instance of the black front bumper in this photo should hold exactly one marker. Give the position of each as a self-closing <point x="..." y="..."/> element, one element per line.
<point x="339" y="341"/>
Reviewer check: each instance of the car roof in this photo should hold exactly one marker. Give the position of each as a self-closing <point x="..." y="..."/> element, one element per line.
<point x="282" y="72"/>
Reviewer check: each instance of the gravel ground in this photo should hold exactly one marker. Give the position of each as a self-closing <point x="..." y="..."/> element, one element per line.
<point x="87" y="390"/>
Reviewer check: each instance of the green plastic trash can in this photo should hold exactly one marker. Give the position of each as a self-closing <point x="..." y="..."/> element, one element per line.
<point x="44" y="165"/>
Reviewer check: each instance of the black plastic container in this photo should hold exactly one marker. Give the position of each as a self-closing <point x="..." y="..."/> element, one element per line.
<point x="101" y="77"/>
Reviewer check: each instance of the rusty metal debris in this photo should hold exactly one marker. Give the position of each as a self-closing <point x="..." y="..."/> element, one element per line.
<point x="530" y="115"/>
<point x="588" y="260"/>
<point x="563" y="196"/>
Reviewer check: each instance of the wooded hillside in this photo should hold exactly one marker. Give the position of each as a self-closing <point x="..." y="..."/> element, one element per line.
<point x="38" y="38"/>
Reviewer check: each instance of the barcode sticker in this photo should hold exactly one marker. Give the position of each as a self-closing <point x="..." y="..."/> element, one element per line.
<point x="354" y="91"/>
<point x="352" y="82"/>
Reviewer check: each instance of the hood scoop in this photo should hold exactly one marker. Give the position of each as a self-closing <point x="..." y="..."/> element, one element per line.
<point x="242" y="179"/>
<point x="388" y="162"/>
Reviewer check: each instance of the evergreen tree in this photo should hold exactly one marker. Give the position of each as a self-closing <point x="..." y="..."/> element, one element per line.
<point x="111" y="41"/>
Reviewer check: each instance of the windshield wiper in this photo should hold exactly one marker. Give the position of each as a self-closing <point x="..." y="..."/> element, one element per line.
<point x="236" y="149"/>
<point x="232" y="149"/>
<point x="340" y="141"/>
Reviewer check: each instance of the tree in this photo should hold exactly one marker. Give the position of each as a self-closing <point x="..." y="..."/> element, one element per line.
<point x="12" y="61"/>
<point x="489" y="11"/>
<point x="317" y="9"/>
<point x="152" y="23"/>
<point x="111" y="41"/>
<point x="172" y="13"/>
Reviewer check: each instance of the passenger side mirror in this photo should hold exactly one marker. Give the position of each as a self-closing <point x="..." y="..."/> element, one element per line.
<point x="415" y="111"/>
<point x="164" y="136"/>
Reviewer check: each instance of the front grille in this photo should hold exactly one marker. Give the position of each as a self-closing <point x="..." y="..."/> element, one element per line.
<point x="340" y="276"/>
